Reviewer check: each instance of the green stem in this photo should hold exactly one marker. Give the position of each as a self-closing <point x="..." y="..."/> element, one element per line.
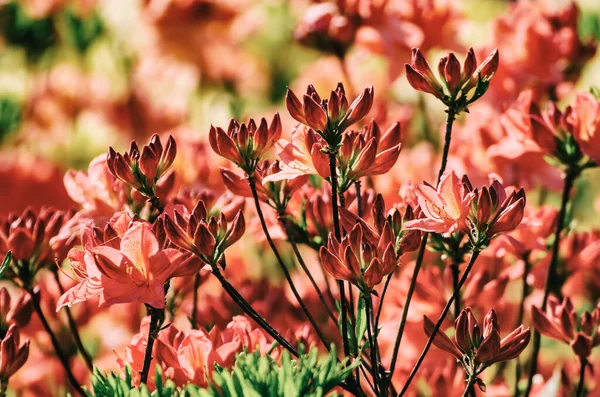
<point x="440" y="321"/>
<point x="570" y="178"/>
<point x="469" y="389"/>
<point x="282" y="265"/>
<point x="372" y="344"/>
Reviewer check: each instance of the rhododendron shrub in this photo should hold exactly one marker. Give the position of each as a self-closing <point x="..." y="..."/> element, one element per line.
<point x="322" y="197"/>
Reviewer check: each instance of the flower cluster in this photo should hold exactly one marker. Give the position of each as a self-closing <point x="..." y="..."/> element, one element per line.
<point x="476" y="346"/>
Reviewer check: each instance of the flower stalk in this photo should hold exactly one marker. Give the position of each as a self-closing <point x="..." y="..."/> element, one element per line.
<point x="437" y="326"/>
<point x="569" y="181"/>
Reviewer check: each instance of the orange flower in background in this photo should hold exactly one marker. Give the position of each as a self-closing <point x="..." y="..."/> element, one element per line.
<point x="561" y="322"/>
<point x="583" y="120"/>
<point x="125" y="268"/>
<point x="454" y="79"/>
<point x="329" y="117"/>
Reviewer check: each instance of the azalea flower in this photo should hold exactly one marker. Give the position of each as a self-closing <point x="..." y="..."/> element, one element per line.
<point x="561" y="322"/>
<point x="302" y="156"/>
<point x="477" y="347"/>
<point x="125" y="265"/>
<point x="361" y="258"/>
<point x="243" y="144"/>
<point x="13" y="354"/>
<point x="446" y="208"/>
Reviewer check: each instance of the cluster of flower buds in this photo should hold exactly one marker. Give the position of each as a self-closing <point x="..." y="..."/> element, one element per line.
<point x="476" y="348"/>
<point x="387" y="226"/>
<point x="13" y="354"/>
<point x="479" y="213"/>
<point x="201" y="234"/>
<point x="456" y="84"/>
<point x="560" y="322"/>
<point x="493" y="211"/>
<point x="245" y="145"/>
<point x="32" y="240"/>
<point x="124" y="263"/>
<point x="362" y="258"/>
<point x="143" y="169"/>
<point x="367" y="152"/>
<point x="18" y="312"/>
<point x="276" y="193"/>
<point x="571" y="137"/>
<point x="326" y="26"/>
<point x="329" y="117"/>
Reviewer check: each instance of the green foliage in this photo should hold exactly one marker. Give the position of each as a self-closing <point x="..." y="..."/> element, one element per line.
<point x="5" y="263"/>
<point x="82" y="32"/>
<point x="112" y="385"/>
<point x="256" y="376"/>
<point x="20" y="29"/>
<point x="589" y="26"/>
<point x="253" y="375"/>
<point x="10" y="116"/>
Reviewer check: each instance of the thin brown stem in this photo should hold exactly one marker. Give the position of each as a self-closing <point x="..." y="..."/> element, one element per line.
<point x="440" y="321"/>
<point x="413" y="282"/>
<point x="455" y="277"/>
<point x="195" y="303"/>
<point x="74" y="329"/>
<point x="282" y="265"/>
<point x="35" y="299"/>
<point x="153" y="330"/>
<point x="313" y="281"/>
<point x="581" y="386"/>
<point x="253" y="314"/>
<point x="337" y="232"/>
<point x="524" y="293"/>
<point x="570" y="178"/>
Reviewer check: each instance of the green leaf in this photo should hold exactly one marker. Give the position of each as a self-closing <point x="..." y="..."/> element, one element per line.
<point x="5" y="263"/>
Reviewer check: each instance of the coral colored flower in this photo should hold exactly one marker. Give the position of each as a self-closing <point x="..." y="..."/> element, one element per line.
<point x="13" y="354"/>
<point x="201" y="234"/>
<point x="276" y="193"/>
<point x="445" y="209"/>
<point x="360" y="258"/>
<point x="387" y="225"/>
<point x="142" y="169"/>
<point x="477" y="347"/>
<point x="97" y="191"/>
<point x="302" y="156"/>
<point x="127" y="267"/>
<point x="33" y="240"/>
<point x="330" y="117"/>
<point x="243" y="144"/>
<point x="368" y="152"/>
<point x="493" y="211"/>
<point x="560" y="322"/>
<point x="455" y="79"/>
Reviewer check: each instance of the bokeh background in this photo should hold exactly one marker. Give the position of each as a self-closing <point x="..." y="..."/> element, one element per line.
<point x="78" y="76"/>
